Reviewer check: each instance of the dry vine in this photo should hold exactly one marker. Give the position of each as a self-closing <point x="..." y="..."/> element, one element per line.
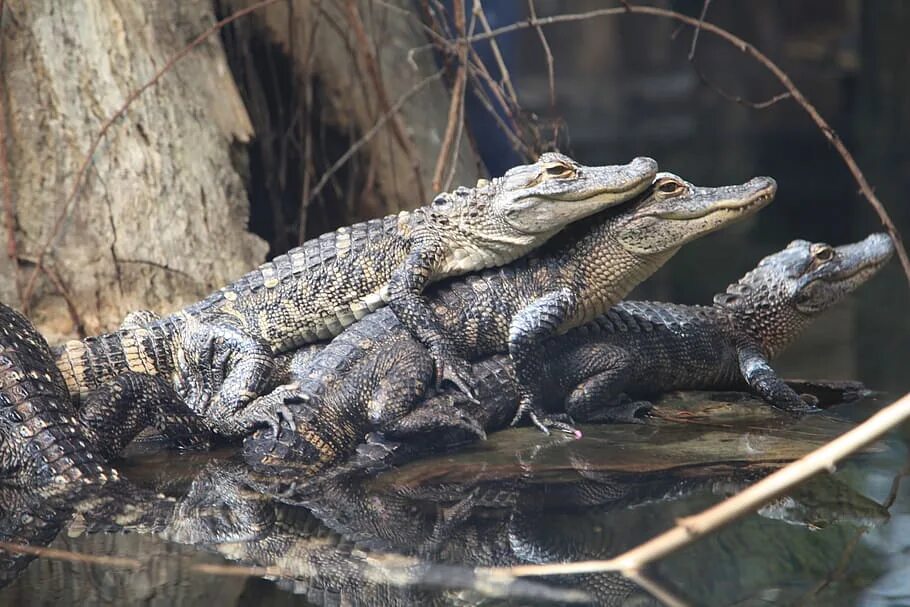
<point x="748" y="49"/>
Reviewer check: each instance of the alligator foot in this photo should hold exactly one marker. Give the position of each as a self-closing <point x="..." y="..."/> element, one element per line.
<point x="437" y="415"/>
<point x="272" y="411"/>
<point x="808" y="405"/>
<point x="544" y="422"/>
<point x="223" y="371"/>
<point x="454" y="370"/>
<point x="626" y="411"/>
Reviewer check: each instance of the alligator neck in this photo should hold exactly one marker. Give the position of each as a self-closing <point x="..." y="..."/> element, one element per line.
<point x="764" y="317"/>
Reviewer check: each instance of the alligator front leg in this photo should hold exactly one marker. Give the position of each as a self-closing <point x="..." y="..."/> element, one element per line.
<point x="761" y="377"/>
<point x="405" y="288"/>
<point x="527" y="333"/>
<point x="116" y="413"/>
<point x="222" y="370"/>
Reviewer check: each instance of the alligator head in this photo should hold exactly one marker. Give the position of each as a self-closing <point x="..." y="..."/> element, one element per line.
<point x="673" y="212"/>
<point x="788" y="289"/>
<point x="502" y="219"/>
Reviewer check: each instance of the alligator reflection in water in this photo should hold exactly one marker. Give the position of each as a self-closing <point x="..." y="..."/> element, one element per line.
<point x="359" y="538"/>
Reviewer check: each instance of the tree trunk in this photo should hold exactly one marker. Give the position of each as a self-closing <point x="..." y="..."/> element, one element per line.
<point x="161" y="214"/>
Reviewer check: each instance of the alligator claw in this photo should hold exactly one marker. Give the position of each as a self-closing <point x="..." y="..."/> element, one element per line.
<point x="457" y="372"/>
<point x="284" y="413"/>
<point x="810" y="399"/>
<point x="546" y="423"/>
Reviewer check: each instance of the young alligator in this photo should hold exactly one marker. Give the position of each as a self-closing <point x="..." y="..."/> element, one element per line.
<point x="219" y="350"/>
<point x="375" y="372"/>
<point x="641" y="349"/>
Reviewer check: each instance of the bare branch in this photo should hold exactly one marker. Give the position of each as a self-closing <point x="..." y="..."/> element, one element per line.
<point x="500" y="62"/>
<point x="457" y="101"/>
<point x="829" y="133"/>
<point x="551" y="77"/>
<point x="371" y="133"/>
<point x="371" y="63"/>
<point x="701" y="19"/>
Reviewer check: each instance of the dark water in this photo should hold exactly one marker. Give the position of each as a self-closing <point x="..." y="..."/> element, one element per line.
<point x="360" y="538"/>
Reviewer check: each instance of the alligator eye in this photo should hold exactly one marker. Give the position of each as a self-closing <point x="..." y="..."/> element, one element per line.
<point x="824" y="253"/>
<point x="560" y="171"/>
<point x="670" y="186"/>
<point x="440" y="200"/>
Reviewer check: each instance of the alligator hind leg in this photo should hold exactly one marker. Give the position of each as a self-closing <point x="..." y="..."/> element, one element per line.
<point x="114" y="414"/>
<point x="601" y="396"/>
<point x="439" y="414"/>
<point x="222" y="371"/>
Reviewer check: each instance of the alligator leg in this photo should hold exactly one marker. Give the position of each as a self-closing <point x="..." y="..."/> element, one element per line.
<point x="222" y="370"/>
<point x="767" y="384"/>
<point x="439" y="414"/>
<point x="405" y="287"/>
<point x="116" y="413"/>
<point x="138" y="319"/>
<point x="529" y="329"/>
<point x="597" y="400"/>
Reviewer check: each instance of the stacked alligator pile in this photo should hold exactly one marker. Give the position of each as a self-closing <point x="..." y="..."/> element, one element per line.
<point x="534" y="331"/>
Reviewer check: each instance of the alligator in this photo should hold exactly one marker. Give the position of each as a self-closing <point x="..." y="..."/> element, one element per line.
<point x="374" y="373"/>
<point x="219" y="351"/>
<point x="600" y="372"/>
<point x="53" y="458"/>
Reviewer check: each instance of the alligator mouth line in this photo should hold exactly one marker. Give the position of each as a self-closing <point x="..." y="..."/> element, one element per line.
<point x="870" y="268"/>
<point x="759" y="199"/>
<point x="631" y="190"/>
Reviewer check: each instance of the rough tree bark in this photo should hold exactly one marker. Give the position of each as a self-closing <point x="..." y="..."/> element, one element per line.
<point x="161" y="200"/>
<point x="162" y="214"/>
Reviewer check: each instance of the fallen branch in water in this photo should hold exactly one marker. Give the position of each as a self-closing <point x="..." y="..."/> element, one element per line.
<point x="691" y="528"/>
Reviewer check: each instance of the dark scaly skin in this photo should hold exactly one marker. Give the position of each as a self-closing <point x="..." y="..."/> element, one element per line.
<point x="639" y="349"/>
<point x="218" y="352"/>
<point x="580" y="274"/>
<point x="595" y="371"/>
<point x="52" y="457"/>
<point x="45" y="440"/>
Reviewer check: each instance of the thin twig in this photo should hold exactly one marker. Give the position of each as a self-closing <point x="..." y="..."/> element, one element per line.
<point x="453" y="166"/>
<point x="371" y="133"/>
<point x="755" y="105"/>
<point x="457" y="101"/>
<point x="701" y="20"/>
<point x="753" y="52"/>
<point x="80" y="174"/>
<point x="75" y="317"/>
<point x="494" y="46"/>
<point x="551" y="74"/>
<point x="690" y="529"/>
<point x="371" y="63"/>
